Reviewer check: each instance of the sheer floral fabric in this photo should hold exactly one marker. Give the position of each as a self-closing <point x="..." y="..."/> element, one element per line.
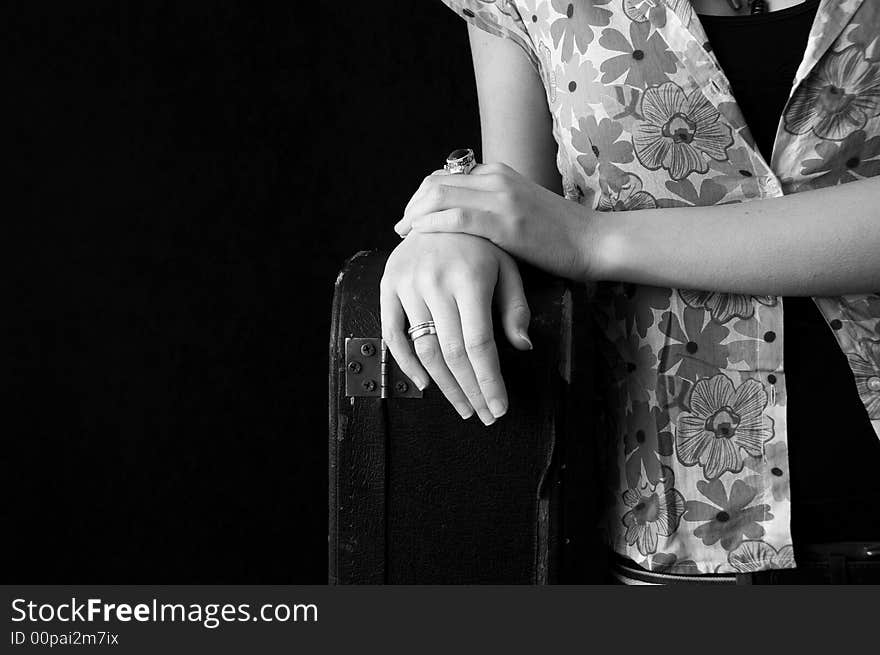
<point x="694" y="427"/>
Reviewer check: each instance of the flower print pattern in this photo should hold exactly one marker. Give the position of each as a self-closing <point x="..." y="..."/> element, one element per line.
<point x="575" y="88"/>
<point x="774" y="467"/>
<point x="645" y="58"/>
<point x="723" y="422"/>
<point x="641" y="11"/>
<point x="536" y="12"/>
<point x="867" y="373"/>
<point x="621" y="102"/>
<point x="498" y="17"/>
<point x="545" y="57"/>
<point x="636" y="10"/>
<point x="504" y="7"/>
<point x="654" y="511"/>
<point x="573" y="191"/>
<point x="710" y="193"/>
<point x="679" y="131"/>
<point x="575" y="26"/>
<point x="636" y="304"/>
<point x="725" y="306"/>
<point x="600" y="145"/>
<point x="574" y="185"/>
<point x="751" y="556"/>
<point x="669" y="563"/>
<point x="761" y="325"/>
<point x="844" y="161"/>
<point x="625" y="195"/>
<point x="673" y="392"/>
<point x="864" y="32"/>
<point x="693" y="345"/>
<point x="687" y="144"/>
<point x="640" y="363"/>
<point x="862" y="310"/>
<point x="837" y="98"/>
<point x="643" y="444"/>
<point x="736" y="172"/>
<point x="728" y="519"/>
<point x="684" y="9"/>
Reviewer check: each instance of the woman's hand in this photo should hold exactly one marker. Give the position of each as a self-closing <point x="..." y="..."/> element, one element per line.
<point x="518" y="215"/>
<point x="450" y="279"/>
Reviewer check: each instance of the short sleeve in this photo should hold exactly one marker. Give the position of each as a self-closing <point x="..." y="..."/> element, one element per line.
<point x="498" y="17"/>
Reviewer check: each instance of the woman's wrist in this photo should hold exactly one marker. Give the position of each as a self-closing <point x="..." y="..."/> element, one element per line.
<point x="605" y="246"/>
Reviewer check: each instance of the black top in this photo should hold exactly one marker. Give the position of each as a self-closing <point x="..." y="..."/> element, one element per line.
<point x="834" y="453"/>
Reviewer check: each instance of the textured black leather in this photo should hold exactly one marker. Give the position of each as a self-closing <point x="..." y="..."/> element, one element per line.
<point x="418" y="496"/>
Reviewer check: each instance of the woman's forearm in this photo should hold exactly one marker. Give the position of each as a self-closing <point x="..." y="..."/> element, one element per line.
<point x="823" y="242"/>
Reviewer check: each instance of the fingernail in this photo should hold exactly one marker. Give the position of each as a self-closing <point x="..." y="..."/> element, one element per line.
<point x="498" y="408"/>
<point x="485" y="416"/>
<point x="420" y="383"/>
<point x="466" y="411"/>
<point x="525" y="337"/>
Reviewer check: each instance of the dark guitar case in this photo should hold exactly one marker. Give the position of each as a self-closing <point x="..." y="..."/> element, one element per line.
<point x="419" y="496"/>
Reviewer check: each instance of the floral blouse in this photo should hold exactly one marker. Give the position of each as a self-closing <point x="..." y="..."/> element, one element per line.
<point x="694" y="429"/>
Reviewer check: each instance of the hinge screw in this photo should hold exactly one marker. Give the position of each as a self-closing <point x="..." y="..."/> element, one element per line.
<point x="370" y="385"/>
<point x="368" y="350"/>
<point x="354" y="367"/>
<point x="401" y="387"/>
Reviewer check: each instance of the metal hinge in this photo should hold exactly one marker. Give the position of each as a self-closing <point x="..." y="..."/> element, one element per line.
<point x="370" y="371"/>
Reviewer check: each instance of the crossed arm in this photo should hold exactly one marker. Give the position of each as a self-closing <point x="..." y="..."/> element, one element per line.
<point x="821" y="242"/>
<point x="818" y="243"/>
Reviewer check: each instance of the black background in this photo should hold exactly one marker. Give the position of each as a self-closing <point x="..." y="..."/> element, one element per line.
<point x="191" y="178"/>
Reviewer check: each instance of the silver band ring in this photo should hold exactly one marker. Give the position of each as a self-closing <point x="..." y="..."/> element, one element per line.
<point x="460" y="161"/>
<point x="422" y="332"/>
<point x="419" y="326"/>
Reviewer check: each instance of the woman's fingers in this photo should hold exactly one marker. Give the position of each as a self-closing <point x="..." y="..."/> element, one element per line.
<point x="394" y="334"/>
<point x="439" y="197"/>
<point x="455" y="354"/>
<point x="512" y="304"/>
<point x="441" y="190"/>
<point x="426" y="183"/>
<point x="475" y="310"/>
<point x="455" y="219"/>
<point x="450" y="280"/>
<point x="430" y="355"/>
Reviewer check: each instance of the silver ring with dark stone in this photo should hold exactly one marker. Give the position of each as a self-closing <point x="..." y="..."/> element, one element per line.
<point x="460" y="161"/>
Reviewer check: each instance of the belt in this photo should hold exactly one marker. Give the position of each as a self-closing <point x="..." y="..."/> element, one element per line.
<point x="846" y="562"/>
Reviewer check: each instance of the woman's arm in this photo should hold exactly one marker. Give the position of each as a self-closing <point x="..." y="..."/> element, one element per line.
<point x="515" y="123"/>
<point x="452" y="279"/>
<point x="816" y="243"/>
<point x="824" y="242"/>
<point x="819" y="243"/>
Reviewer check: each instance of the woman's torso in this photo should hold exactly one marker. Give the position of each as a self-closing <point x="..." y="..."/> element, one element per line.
<point x="695" y="419"/>
<point x="833" y="489"/>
